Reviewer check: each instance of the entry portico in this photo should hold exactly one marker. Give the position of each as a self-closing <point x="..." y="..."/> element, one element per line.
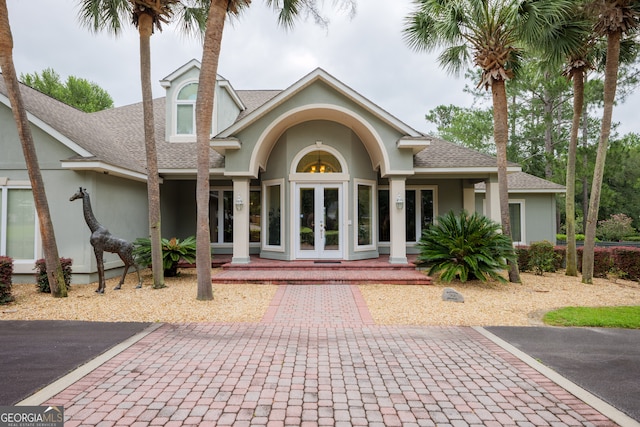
<point x="322" y="152"/>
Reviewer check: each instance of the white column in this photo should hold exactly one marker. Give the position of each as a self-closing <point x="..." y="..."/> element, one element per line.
<point x="398" y="250"/>
<point x="240" y="221"/>
<point x="468" y="197"/>
<point x="492" y="200"/>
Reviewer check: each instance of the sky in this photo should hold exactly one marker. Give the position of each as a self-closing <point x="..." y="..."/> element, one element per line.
<point x="366" y="53"/>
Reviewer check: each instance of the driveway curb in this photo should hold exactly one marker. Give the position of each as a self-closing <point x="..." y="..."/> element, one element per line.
<point x="59" y="385"/>
<point x="600" y="405"/>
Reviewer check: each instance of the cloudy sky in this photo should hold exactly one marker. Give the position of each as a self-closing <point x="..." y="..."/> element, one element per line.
<point x="366" y="53"/>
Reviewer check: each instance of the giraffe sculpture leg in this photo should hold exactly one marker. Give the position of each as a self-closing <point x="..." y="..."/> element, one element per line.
<point x="126" y="255"/>
<point x="100" y="261"/>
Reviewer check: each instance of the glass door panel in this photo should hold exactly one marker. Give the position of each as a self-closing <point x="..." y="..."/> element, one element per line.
<point x="307" y="224"/>
<point x="331" y="226"/>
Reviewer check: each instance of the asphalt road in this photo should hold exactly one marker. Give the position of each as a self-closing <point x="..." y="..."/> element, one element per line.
<point x="33" y="354"/>
<point x="605" y="362"/>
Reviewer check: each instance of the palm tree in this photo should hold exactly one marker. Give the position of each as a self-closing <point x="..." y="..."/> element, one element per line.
<point x="494" y="33"/>
<point x="287" y="10"/>
<point x="146" y="16"/>
<point x="577" y="65"/>
<point x="615" y="19"/>
<point x="50" y="248"/>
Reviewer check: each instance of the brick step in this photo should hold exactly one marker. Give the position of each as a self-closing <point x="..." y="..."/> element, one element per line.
<point x="320" y="276"/>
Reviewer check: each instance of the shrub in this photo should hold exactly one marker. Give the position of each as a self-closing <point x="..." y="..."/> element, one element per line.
<point x="563" y="237"/>
<point x="6" y="271"/>
<point x="42" y="280"/>
<point x="602" y="261"/>
<point x="522" y="254"/>
<point x="542" y="258"/>
<point x="627" y="261"/>
<point x="173" y="251"/>
<point x="465" y="246"/>
<point x="615" y="228"/>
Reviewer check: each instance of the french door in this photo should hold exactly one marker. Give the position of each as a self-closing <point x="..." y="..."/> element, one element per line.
<point x="318" y="225"/>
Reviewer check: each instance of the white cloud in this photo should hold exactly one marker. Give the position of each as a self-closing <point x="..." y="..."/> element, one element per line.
<point x="366" y="53"/>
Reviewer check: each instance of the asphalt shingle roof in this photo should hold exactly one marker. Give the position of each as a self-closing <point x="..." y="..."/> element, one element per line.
<point x="441" y="154"/>
<point x="524" y="181"/>
<point x="116" y="137"/>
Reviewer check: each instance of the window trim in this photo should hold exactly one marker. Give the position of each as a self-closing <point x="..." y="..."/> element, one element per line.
<point x="265" y="215"/>
<point x="523" y="222"/>
<point x="374" y="214"/>
<point x="191" y="137"/>
<point x="21" y="265"/>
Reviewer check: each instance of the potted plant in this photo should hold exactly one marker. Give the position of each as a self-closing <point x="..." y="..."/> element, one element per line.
<point x="173" y="251"/>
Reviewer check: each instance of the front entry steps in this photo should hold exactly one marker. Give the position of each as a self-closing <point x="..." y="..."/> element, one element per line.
<point x="301" y="272"/>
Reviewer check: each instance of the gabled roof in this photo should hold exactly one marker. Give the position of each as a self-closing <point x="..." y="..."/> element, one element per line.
<point x="110" y="141"/>
<point x="222" y="82"/>
<point x="318" y="75"/>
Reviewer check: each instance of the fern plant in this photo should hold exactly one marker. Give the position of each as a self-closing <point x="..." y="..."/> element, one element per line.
<point x="467" y="247"/>
<point x="173" y="251"/>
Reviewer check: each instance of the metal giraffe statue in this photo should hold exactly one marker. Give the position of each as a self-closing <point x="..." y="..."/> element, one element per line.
<point x="103" y="241"/>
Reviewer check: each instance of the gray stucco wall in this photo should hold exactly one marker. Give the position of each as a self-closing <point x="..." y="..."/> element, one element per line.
<point x="119" y="204"/>
<point x="539" y="214"/>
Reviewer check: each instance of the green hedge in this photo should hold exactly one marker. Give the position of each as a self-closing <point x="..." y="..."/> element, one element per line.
<point x="620" y="259"/>
<point x="6" y="272"/>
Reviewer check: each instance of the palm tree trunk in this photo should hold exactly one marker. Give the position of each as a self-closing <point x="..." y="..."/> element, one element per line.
<point x="610" y="83"/>
<point x="578" y="102"/>
<point x="145" y="28"/>
<point x="204" y="114"/>
<point x="501" y="137"/>
<point x="50" y="249"/>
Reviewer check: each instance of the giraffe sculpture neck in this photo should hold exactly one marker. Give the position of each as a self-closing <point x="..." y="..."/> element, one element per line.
<point x="91" y="220"/>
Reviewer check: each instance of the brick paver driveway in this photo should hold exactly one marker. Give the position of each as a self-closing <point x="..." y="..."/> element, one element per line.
<point x="318" y="359"/>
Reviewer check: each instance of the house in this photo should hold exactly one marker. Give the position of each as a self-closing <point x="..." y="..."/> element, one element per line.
<point x="315" y="171"/>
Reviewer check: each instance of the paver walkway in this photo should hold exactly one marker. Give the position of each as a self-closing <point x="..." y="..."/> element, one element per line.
<point x="317" y="359"/>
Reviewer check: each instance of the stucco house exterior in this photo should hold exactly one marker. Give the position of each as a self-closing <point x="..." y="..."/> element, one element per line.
<point x="314" y="171"/>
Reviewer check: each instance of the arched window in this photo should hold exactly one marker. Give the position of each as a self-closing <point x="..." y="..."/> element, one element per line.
<point x="186" y="110"/>
<point x="319" y="161"/>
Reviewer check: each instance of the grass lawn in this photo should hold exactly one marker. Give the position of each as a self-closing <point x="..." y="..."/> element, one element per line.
<point x="606" y="317"/>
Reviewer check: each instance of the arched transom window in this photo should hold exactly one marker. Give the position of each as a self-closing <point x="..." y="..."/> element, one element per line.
<point x="319" y="161"/>
<point x="186" y="110"/>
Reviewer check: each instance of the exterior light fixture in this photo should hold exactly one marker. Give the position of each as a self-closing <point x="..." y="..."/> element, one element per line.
<point x="239" y="203"/>
<point x="399" y="202"/>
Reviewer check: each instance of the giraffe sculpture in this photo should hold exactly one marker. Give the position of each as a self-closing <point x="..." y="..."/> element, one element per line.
<point x="102" y="241"/>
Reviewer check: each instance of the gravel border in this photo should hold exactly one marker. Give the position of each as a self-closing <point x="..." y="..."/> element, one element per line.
<point x="486" y="304"/>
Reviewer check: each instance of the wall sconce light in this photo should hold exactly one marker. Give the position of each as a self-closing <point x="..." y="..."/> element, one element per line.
<point x="239" y="203"/>
<point x="399" y="202"/>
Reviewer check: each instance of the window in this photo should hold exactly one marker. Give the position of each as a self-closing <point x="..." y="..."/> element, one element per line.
<point x="221" y="216"/>
<point x="364" y="211"/>
<point x="273" y="209"/>
<point x="185" y="110"/>
<point x="18" y="225"/>
<point x="255" y="226"/>
<point x="516" y="216"/>
<point x="319" y="161"/>
<point x="420" y="211"/>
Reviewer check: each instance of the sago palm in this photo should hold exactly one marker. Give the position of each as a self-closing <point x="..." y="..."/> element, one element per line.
<point x="467" y="247"/>
<point x="492" y="35"/>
